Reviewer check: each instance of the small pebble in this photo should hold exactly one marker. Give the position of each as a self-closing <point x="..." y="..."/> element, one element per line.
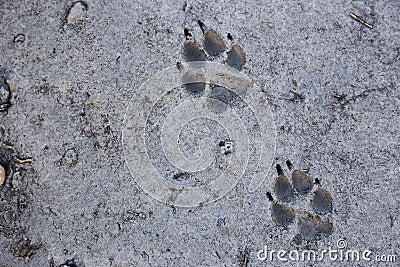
<point x="19" y="40"/>
<point x="226" y="147"/>
<point x="5" y="93"/>
<point x="70" y="157"/>
<point x="77" y="12"/>
<point x="221" y="222"/>
<point x="2" y="175"/>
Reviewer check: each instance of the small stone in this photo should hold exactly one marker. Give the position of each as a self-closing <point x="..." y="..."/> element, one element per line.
<point x="77" y="12"/>
<point x="221" y="222"/>
<point x="5" y="93"/>
<point x="71" y="263"/>
<point x="226" y="147"/>
<point x="19" y="40"/>
<point x="2" y="175"/>
<point x="70" y="157"/>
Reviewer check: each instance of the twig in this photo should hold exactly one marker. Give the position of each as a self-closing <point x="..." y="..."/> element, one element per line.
<point x="22" y="161"/>
<point x="363" y="22"/>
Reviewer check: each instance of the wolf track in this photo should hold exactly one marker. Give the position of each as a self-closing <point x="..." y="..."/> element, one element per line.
<point x="310" y="224"/>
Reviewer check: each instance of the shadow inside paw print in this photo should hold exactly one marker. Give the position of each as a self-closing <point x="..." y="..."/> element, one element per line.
<point x="300" y="185"/>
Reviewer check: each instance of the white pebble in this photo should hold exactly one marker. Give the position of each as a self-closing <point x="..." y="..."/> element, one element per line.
<point x="77" y="12"/>
<point x="2" y="175"/>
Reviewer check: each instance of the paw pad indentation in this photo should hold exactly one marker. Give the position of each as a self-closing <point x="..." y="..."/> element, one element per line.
<point x="282" y="188"/>
<point x="302" y="182"/>
<point x="236" y="57"/>
<point x="193" y="52"/>
<point x="322" y="202"/>
<point x="282" y="214"/>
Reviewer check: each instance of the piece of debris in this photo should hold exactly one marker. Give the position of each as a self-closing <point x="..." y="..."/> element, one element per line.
<point x="77" y="12"/>
<point x="139" y="214"/>
<point x="23" y="161"/>
<point x="226" y="147"/>
<point x="71" y="263"/>
<point x="245" y="260"/>
<point x="5" y="96"/>
<point x="26" y="249"/>
<point x="221" y="222"/>
<point x="19" y="40"/>
<point x="2" y="175"/>
<point x="70" y="157"/>
<point x="363" y="22"/>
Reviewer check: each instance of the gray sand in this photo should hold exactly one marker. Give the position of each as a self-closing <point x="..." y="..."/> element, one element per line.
<point x="332" y="85"/>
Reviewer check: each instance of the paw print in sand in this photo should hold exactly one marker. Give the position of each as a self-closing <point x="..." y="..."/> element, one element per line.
<point x="311" y="224"/>
<point x="212" y="48"/>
